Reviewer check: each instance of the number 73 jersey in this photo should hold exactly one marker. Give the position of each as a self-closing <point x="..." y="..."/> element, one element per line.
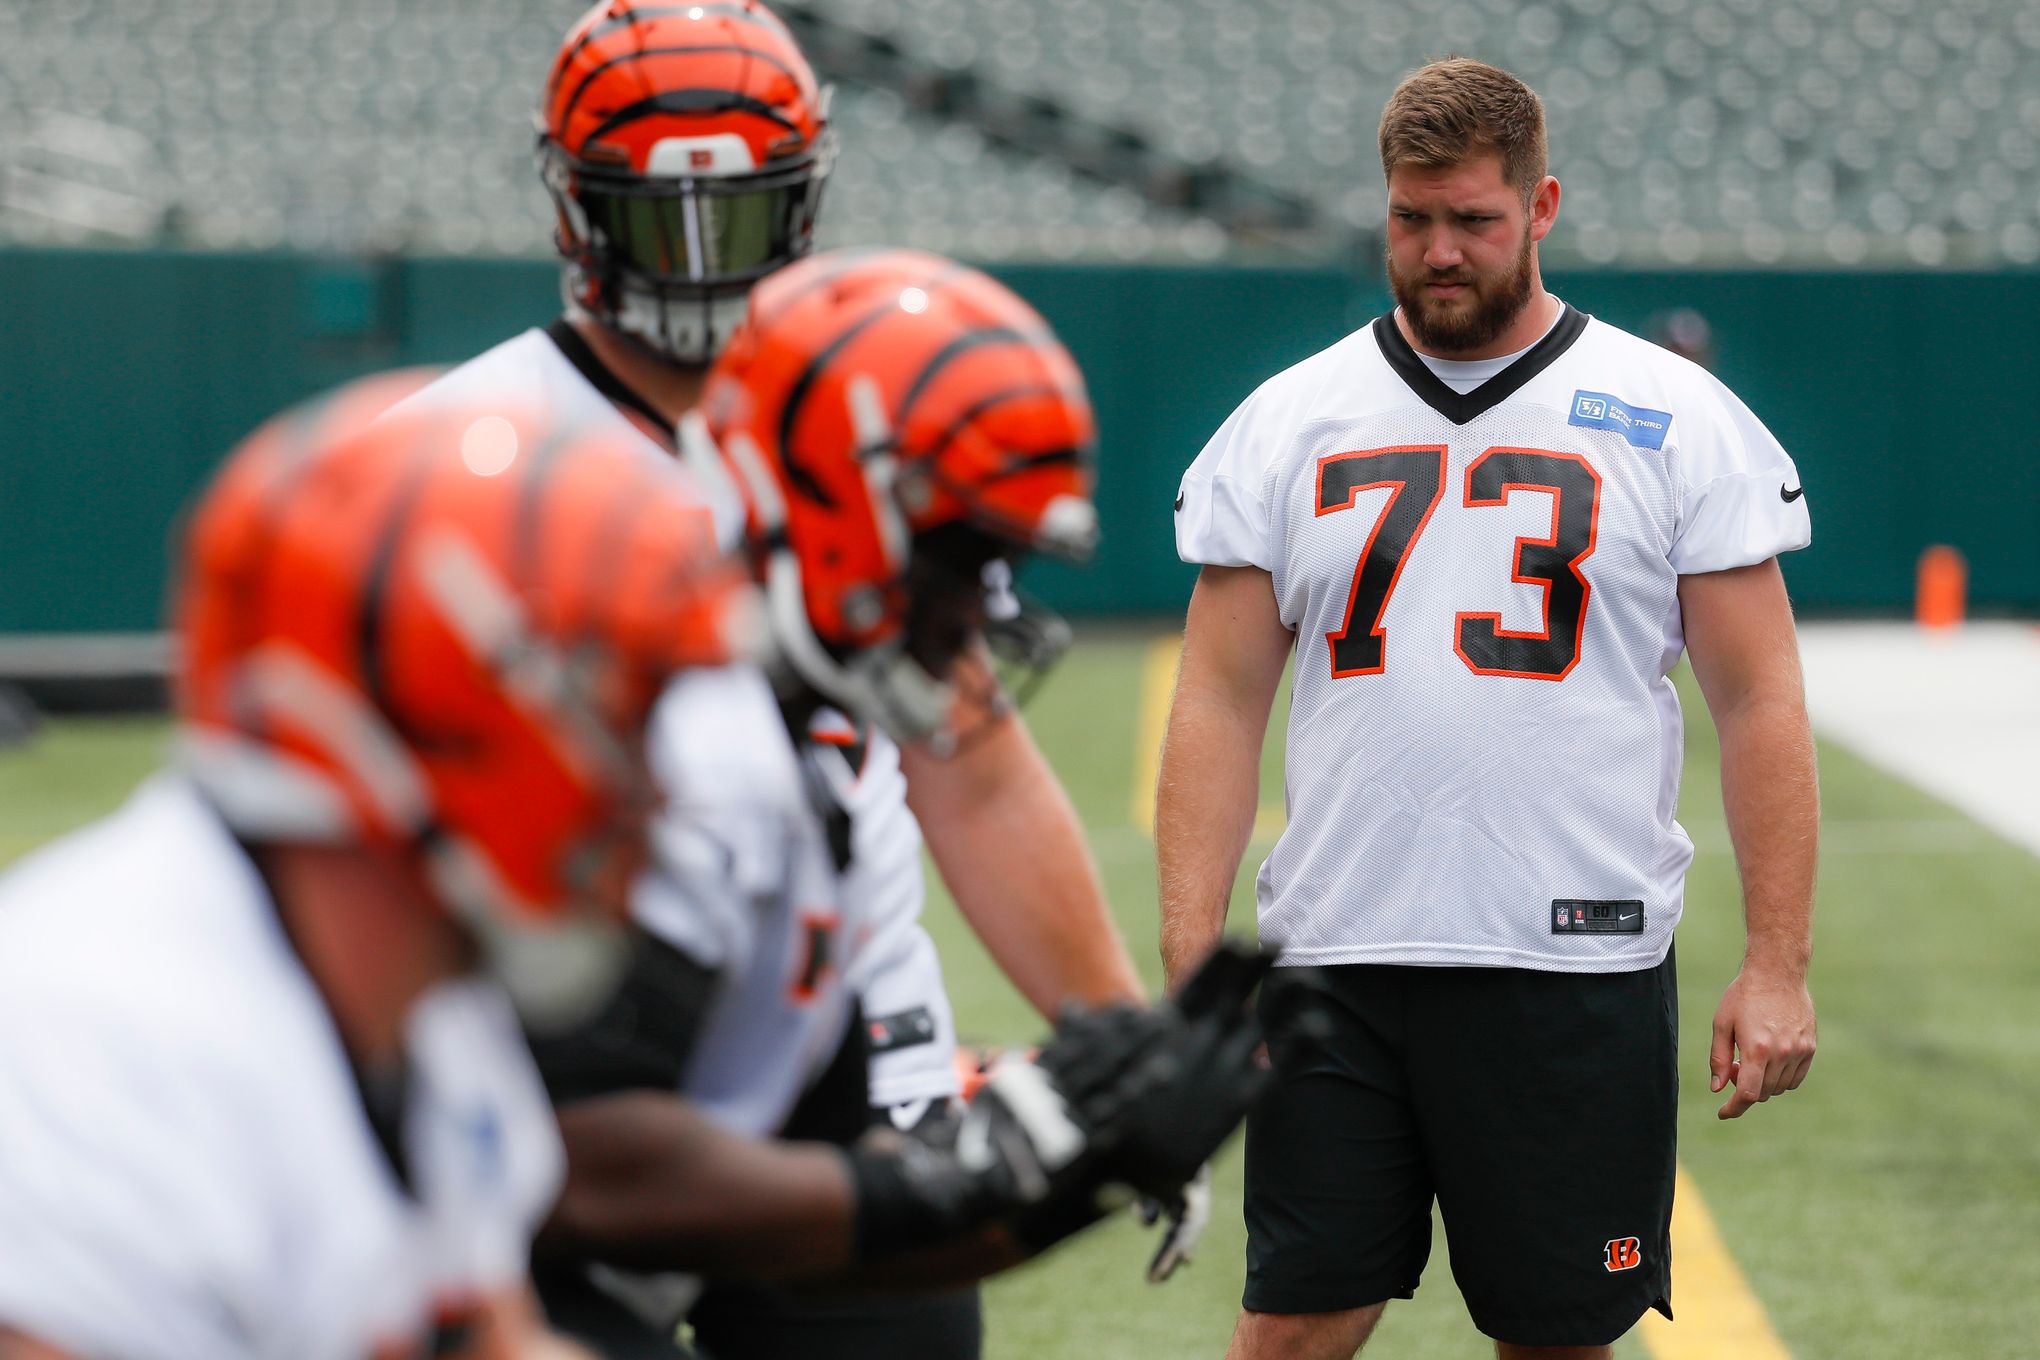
<point x="1484" y="748"/>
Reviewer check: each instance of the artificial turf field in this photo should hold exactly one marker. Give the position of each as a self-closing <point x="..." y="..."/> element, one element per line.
<point x="1889" y="1208"/>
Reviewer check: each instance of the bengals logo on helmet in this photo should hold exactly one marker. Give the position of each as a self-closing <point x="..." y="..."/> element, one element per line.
<point x="886" y="414"/>
<point x="685" y="147"/>
<point x="1623" y="1253"/>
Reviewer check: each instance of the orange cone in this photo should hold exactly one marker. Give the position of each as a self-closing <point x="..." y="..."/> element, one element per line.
<point x="1941" y="597"/>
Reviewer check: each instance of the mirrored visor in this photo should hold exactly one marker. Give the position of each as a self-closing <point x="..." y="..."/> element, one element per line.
<point x="696" y="235"/>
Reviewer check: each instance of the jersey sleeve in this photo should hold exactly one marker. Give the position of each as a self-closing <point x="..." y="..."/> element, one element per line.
<point x="1222" y="513"/>
<point x="1741" y="501"/>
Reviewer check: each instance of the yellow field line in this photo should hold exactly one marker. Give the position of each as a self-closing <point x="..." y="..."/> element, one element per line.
<point x="1157" y="682"/>
<point x="1719" y="1317"/>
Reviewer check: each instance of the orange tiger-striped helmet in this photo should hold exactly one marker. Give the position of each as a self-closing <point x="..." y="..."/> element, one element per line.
<point x="440" y="631"/>
<point x="897" y="424"/>
<point x="685" y="147"/>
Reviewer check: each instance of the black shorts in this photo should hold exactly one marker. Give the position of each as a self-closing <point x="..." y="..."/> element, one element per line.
<point x="1539" y="1109"/>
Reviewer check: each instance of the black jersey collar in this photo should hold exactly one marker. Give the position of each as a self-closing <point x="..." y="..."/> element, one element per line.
<point x="599" y="375"/>
<point x="1460" y="407"/>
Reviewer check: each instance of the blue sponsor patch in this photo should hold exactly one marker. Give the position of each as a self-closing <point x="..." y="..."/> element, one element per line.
<point x="1639" y="425"/>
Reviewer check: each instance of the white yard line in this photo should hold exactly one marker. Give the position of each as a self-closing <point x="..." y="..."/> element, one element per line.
<point x="1956" y="713"/>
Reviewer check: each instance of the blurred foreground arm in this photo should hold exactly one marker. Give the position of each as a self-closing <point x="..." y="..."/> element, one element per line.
<point x="1013" y="854"/>
<point x="1746" y="657"/>
<point x="1122" y="1100"/>
<point x="1234" y="648"/>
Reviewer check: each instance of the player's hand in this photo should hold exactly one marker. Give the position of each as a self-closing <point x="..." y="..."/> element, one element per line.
<point x="1763" y="1038"/>
<point x="1186" y="1216"/>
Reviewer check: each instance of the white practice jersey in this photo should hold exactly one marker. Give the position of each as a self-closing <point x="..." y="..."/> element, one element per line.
<point x="1483" y="747"/>
<point x="745" y="882"/>
<point x="186" y="1164"/>
<point x="748" y="883"/>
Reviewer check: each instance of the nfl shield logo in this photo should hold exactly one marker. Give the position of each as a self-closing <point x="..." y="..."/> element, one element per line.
<point x="1561" y="918"/>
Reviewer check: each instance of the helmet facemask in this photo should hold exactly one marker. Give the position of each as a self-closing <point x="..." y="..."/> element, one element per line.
<point x="668" y="256"/>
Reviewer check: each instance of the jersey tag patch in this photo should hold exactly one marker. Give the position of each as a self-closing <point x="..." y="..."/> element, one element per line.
<point x="1640" y="425"/>
<point x="888" y="1033"/>
<point x="1577" y="916"/>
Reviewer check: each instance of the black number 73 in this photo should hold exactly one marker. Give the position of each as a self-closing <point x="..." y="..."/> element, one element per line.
<point x="1415" y="478"/>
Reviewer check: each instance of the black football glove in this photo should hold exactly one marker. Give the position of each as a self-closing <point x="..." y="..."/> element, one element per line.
<point x="1014" y="1146"/>
<point x="1122" y="1101"/>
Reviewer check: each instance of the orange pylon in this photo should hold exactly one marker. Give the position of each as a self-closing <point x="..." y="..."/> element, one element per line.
<point x="1942" y="594"/>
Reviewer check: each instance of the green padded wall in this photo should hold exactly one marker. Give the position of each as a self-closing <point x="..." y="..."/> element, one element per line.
<point x="123" y="377"/>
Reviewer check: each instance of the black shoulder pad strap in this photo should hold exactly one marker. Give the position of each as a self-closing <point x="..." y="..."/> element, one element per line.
<point x="642" y="1037"/>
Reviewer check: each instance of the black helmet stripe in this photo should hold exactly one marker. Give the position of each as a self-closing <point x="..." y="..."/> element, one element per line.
<point x="635" y="16"/>
<point x="797" y="396"/>
<point x="691" y="101"/>
<point x="983" y="404"/>
<point x="574" y="100"/>
<point x="975" y="338"/>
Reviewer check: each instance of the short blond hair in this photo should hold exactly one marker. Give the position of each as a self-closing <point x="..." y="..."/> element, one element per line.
<point x="1458" y="108"/>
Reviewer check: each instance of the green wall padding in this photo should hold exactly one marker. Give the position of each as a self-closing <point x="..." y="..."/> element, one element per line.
<point x="123" y="377"/>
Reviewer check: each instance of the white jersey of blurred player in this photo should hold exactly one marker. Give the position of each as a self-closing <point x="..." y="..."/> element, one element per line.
<point x="1484" y="747"/>
<point x="754" y="890"/>
<point x="748" y="883"/>
<point x="188" y="1166"/>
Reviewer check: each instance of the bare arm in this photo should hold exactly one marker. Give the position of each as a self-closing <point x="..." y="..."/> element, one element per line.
<point x="1746" y="657"/>
<point x="1010" y="848"/>
<point x="1234" y="648"/>
<point x="15" y="1346"/>
<point x="653" y="1183"/>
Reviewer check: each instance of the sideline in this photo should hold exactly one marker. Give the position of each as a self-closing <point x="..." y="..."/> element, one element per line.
<point x="1720" y="1314"/>
<point x="1954" y="713"/>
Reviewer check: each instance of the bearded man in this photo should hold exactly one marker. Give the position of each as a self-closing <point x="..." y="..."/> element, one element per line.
<point x="1484" y="527"/>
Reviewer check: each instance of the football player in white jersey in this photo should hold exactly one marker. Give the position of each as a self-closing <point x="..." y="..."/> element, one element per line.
<point x="1484" y="528"/>
<point x="686" y="149"/>
<point x="262" y="1092"/>
<point x="893" y="422"/>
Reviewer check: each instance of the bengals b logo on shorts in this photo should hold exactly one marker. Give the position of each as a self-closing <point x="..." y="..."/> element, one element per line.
<point x="1624" y="1253"/>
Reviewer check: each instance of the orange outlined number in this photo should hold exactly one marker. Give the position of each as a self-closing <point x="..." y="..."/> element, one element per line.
<point x="1624" y="1253"/>
<point x="1415" y="477"/>
<point x="1552" y="562"/>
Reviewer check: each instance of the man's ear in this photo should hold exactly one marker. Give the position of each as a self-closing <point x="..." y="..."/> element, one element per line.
<point x="1543" y="207"/>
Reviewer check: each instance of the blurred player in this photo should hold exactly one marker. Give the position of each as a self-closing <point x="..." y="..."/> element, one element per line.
<point x="895" y="422"/>
<point x="1484" y="528"/>
<point x="261" y="1091"/>
<point x="686" y="149"/>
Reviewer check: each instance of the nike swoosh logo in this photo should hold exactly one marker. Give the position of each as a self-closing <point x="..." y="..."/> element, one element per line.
<point x="1790" y="496"/>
